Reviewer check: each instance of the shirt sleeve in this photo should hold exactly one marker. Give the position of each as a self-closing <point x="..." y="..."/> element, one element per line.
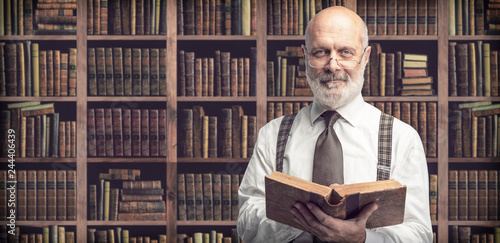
<point x="411" y="170"/>
<point x="253" y="225"/>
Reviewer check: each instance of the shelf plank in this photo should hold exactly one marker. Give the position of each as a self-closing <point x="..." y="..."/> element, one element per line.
<point x="127" y="98"/>
<point x="127" y="160"/>
<point x="473" y="37"/>
<point x="38" y="37"/>
<point x="41" y="223"/>
<point x="126" y="223"/>
<point x="290" y="99"/>
<point x="217" y="37"/>
<point x="213" y="160"/>
<point x="216" y="99"/>
<point x="206" y="223"/>
<point x="472" y="99"/>
<point x="401" y="98"/>
<point x="474" y="160"/>
<point x="371" y="37"/>
<point x="475" y="223"/>
<point x="40" y="160"/>
<point x="45" y="98"/>
<point x="126" y="37"/>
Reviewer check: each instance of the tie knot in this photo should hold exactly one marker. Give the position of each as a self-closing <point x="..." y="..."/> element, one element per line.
<point x="331" y="117"/>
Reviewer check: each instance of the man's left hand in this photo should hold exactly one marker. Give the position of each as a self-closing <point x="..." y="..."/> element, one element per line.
<point x="330" y="229"/>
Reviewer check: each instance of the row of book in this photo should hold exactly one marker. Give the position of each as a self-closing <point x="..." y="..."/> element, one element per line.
<point x="290" y="17"/>
<point x="41" y="195"/>
<point x="422" y="116"/>
<point x="140" y="200"/>
<point x="467" y="234"/>
<point x="473" y="69"/>
<point x="37" y="131"/>
<point x="207" y="196"/>
<point x="119" y="235"/>
<point x="55" y="17"/>
<point x="52" y="233"/>
<point x="222" y="17"/>
<point x="127" y="71"/>
<point x="289" y="76"/>
<point x="221" y="75"/>
<point x="116" y="132"/>
<point x="473" y="195"/>
<point x="399" y="17"/>
<point x="117" y="17"/>
<point x="474" y="130"/>
<point x="389" y="74"/>
<point x="213" y="236"/>
<point x="466" y="17"/>
<point x="279" y="109"/>
<point x="229" y="134"/>
<point x="27" y="70"/>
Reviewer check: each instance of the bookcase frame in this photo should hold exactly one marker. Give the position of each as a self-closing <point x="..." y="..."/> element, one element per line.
<point x="441" y="226"/>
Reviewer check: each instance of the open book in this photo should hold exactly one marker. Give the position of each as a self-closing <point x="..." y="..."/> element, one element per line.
<point x="343" y="202"/>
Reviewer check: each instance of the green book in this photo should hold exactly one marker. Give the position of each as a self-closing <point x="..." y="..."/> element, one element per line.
<point x="474" y="104"/>
<point x="23" y="104"/>
<point x="37" y="107"/>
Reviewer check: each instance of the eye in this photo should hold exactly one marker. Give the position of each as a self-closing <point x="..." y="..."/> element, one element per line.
<point x="319" y="53"/>
<point x="346" y="53"/>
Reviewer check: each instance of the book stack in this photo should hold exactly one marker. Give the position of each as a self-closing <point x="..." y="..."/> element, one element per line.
<point x="31" y="71"/>
<point x="399" y="17"/>
<point x="117" y="71"/>
<point x="213" y="236"/>
<point x="42" y="195"/>
<point x="221" y="75"/>
<point x="230" y="134"/>
<point x="473" y="195"/>
<point x="422" y="116"/>
<point x="105" y="17"/>
<point x="467" y="234"/>
<point x="492" y="20"/>
<point x="207" y="196"/>
<point x="140" y="200"/>
<point x="474" y="130"/>
<point x="415" y="79"/>
<point x="289" y="78"/>
<point x="197" y="17"/>
<point x="473" y="69"/>
<point x="278" y="109"/>
<point x="115" y="132"/>
<point x="288" y="17"/>
<point x="120" y="235"/>
<point x="37" y="234"/>
<point x="39" y="131"/>
<point x="55" y="17"/>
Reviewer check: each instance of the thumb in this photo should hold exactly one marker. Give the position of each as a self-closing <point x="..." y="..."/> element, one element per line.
<point x="367" y="212"/>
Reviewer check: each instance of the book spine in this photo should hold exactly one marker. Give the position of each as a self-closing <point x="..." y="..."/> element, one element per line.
<point x="145" y="72"/>
<point x="234" y="77"/>
<point x="154" y="132"/>
<point x="127" y="71"/>
<point x="136" y="132"/>
<point x="51" y="195"/>
<point x="492" y="195"/>
<point x="226" y="196"/>
<point x="141" y="207"/>
<point x="190" y="74"/>
<point x="225" y="58"/>
<point x="100" y="132"/>
<point x="62" y="139"/>
<point x="118" y="71"/>
<point x="433" y="196"/>
<point x="145" y="133"/>
<point x="106" y="200"/>
<point x="154" y="71"/>
<point x="181" y="197"/>
<point x="127" y="132"/>
<point x="71" y="194"/>
<point x="136" y="72"/>
<point x="197" y="77"/>
<point x="113" y="203"/>
<point x="117" y="132"/>
<point x="108" y="132"/>
<point x="41" y="195"/>
<point x="217" y="197"/>
<point x="21" y="70"/>
<point x="72" y="72"/>
<point x="210" y="82"/>
<point x="208" y="209"/>
<point x="31" y="203"/>
<point x="100" y="71"/>
<point x="21" y="206"/>
<point x="463" y="195"/>
<point x="212" y="137"/>
<point x="412" y="17"/>
<point x="162" y="132"/>
<point x="472" y="182"/>
<point x="204" y="139"/>
<point x="225" y="135"/>
<point x="482" y="187"/>
<point x="190" y="197"/>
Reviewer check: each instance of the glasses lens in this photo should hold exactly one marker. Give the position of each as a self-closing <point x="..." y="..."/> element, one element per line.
<point x="322" y="62"/>
<point x="347" y="64"/>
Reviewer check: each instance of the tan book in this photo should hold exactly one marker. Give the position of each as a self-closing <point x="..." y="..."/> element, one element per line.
<point x="41" y="195"/>
<point x="31" y="183"/>
<point x="344" y="201"/>
<point x="71" y="194"/>
<point x="51" y="195"/>
<point x="226" y="196"/>
<point x="482" y="186"/>
<point x="190" y="197"/>
<point x="61" y="195"/>
<point x="463" y="195"/>
<point x="181" y="197"/>
<point x="21" y="194"/>
<point x="208" y="209"/>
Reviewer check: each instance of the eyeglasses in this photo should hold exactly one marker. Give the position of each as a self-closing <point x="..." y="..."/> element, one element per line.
<point x="320" y="61"/>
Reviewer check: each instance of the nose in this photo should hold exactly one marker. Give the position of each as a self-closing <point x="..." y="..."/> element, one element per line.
<point x="333" y="65"/>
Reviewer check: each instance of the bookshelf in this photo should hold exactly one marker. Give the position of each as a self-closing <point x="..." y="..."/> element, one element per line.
<point x="171" y="102"/>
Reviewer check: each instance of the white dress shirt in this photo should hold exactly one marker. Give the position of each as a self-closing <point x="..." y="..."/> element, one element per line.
<point x="357" y="131"/>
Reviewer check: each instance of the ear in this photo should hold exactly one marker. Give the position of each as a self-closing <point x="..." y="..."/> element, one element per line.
<point x="367" y="55"/>
<point x="303" y="50"/>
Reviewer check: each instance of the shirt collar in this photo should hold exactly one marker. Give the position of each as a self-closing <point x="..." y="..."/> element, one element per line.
<point x="351" y="112"/>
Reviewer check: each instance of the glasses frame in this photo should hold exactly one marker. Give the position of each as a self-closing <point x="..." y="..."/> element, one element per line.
<point x="311" y="56"/>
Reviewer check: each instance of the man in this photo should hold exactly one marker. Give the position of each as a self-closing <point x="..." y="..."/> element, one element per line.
<point x="336" y="52"/>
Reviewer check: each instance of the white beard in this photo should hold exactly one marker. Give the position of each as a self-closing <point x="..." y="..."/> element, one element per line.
<point x="329" y="95"/>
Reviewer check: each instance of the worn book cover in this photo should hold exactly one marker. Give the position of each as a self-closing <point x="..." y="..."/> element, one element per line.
<point x="344" y="202"/>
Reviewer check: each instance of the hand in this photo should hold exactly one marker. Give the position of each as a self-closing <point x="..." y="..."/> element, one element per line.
<point x="330" y="229"/>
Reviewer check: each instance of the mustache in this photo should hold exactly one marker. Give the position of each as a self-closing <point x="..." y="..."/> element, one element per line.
<point x="325" y="77"/>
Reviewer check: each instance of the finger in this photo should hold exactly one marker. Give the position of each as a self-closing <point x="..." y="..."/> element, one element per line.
<point x="366" y="212"/>
<point x="334" y="185"/>
<point x="318" y="213"/>
<point x="299" y="217"/>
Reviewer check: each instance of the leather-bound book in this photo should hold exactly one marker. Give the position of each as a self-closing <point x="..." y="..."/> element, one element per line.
<point x="62" y="139"/>
<point x="455" y="121"/>
<point x="108" y="132"/>
<point x="3" y="81"/>
<point x="92" y="71"/>
<point x="198" y="13"/>
<point x="472" y="195"/>
<point x="244" y="136"/>
<point x="493" y="195"/>
<point x="136" y="71"/>
<point x="145" y="72"/>
<point x="217" y="197"/>
<point x="57" y="73"/>
<point x="412" y="17"/>
<point x="463" y="195"/>
<point x="431" y="129"/>
<point x="480" y="69"/>
<point x="204" y="138"/>
<point x="270" y="78"/>
<point x="181" y="73"/>
<point x="278" y="109"/>
<point x="374" y="69"/>
<point x="162" y="133"/>
<point x="51" y="195"/>
<point x="241" y="76"/>
<point x="253" y="71"/>
<point x="270" y="19"/>
<point x="290" y="80"/>
<point x="252" y="135"/>
<point x="108" y="69"/>
<point x="96" y="24"/>
<point x="31" y="183"/>
<point x="186" y="133"/>
<point x="402" y="17"/>
<point x="42" y="72"/>
<point x="405" y="112"/>
<point x="71" y="194"/>
<point x="61" y="195"/>
<point x="127" y="132"/>
<point x="154" y="76"/>
<point x="118" y="71"/>
<point x="104" y="17"/>
<point x="145" y="146"/>
<point x="190" y="197"/>
<point x="212" y="137"/>
<point x="453" y="195"/>
<point x="237" y="114"/>
<point x="472" y="69"/>
<point x="67" y="141"/>
<point x="422" y="123"/>
<point x="467" y="132"/>
<point x="136" y="133"/>
<point x="189" y="17"/>
<point x="433" y="195"/>
<point x="494" y="73"/>
<point x="163" y="72"/>
<point x="225" y="133"/>
<point x="481" y="137"/>
<point x="190" y="73"/>
<point x="21" y="70"/>
<point x="127" y="71"/>
<point x="226" y="196"/>
<point x="72" y="72"/>
<point x="210" y="77"/>
<point x="270" y="111"/>
<point x="235" y="184"/>
<point x="432" y="10"/>
<point x="391" y="20"/>
<point x="462" y="69"/>
<point x="117" y="132"/>
<point x="422" y="9"/>
<point x="225" y="73"/>
<point x="234" y="77"/>
<point x="452" y="69"/>
<point x="414" y="115"/>
<point x="219" y="17"/>
<point x="236" y="19"/>
<point x="482" y="193"/>
<point x="21" y="195"/>
<point x="148" y="13"/>
<point x="28" y="70"/>
<point x="30" y="137"/>
<point x="198" y="113"/>
<point x="125" y="16"/>
<point x="491" y="136"/>
<point x="217" y="74"/>
<point x="41" y="195"/>
<point x="389" y="74"/>
<point x="371" y="17"/>
<point x="101" y="71"/>
<point x="199" y="81"/>
<point x="91" y="133"/>
<point x="208" y="209"/>
<point x="382" y="11"/>
<point x="139" y="17"/>
<point x="153" y="133"/>
<point x="180" y="17"/>
<point x="276" y="17"/>
<point x="181" y="197"/>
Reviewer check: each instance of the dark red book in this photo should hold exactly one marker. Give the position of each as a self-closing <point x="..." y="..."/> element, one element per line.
<point x="100" y="132"/>
<point x="162" y="133"/>
<point x="145" y="132"/>
<point x="186" y="133"/>
<point x="117" y="132"/>
<point x="91" y="133"/>
<point x="153" y="132"/>
<point x="108" y="132"/>
<point x="136" y="133"/>
<point x="225" y="136"/>
<point x="198" y="114"/>
<point x="127" y="132"/>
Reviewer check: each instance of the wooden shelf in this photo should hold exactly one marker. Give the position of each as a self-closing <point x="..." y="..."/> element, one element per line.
<point x="38" y="37"/>
<point x="474" y="160"/>
<point x="371" y="37"/>
<point x="216" y="99"/>
<point x="475" y="223"/>
<point x="41" y="223"/>
<point x="213" y="160"/>
<point x="127" y="160"/>
<point x="472" y="99"/>
<point x="217" y="37"/>
<point x="290" y="98"/>
<point x="126" y="37"/>
<point x="126" y="98"/>
<point x="401" y="98"/>
<point x="41" y="160"/>
<point x="206" y="223"/>
<point x="126" y="223"/>
<point x="473" y="37"/>
<point x="44" y="99"/>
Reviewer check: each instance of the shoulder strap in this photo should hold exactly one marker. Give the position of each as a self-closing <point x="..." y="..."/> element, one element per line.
<point x="384" y="147"/>
<point x="285" y="126"/>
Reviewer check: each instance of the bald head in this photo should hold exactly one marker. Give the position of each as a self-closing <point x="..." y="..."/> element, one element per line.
<point x="337" y="16"/>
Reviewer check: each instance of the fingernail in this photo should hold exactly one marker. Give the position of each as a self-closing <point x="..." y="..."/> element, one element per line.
<point x="309" y="206"/>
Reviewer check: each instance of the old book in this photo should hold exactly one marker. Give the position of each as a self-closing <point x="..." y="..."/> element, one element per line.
<point x="422" y="123"/>
<point x="154" y="72"/>
<point x="104" y="17"/>
<point x="198" y="196"/>
<point x="210" y="76"/>
<point x="153" y="132"/>
<point x="415" y="72"/>
<point x="162" y="133"/>
<point x="389" y="74"/>
<point x="117" y="132"/>
<point x="127" y="132"/>
<point x="21" y="195"/>
<point x="181" y="73"/>
<point x="217" y="197"/>
<point x="100" y="71"/>
<point x="93" y="202"/>
<point x="251" y="134"/>
<point x="226" y="196"/>
<point x="472" y="69"/>
<point x="141" y="207"/>
<point x="136" y="72"/>
<point x="145" y="72"/>
<point x="41" y="195"/>
<point x="31" y="199"/>
<point x="494" y="73"/>
<point x="433" y="196"/>
<point x="54" y="127"/>
<point x="198" y="21"/>
<point x="208" y="209"/>
<point x="27" y="68"/>
<point x="21" y="70"/>
<point x="482" y="201"/>
<point x="181" y="197"/>
<point x="136" y="132"/>
<point x="42" y="70"/>
<point x="92" y="71"/>
<point x="100" y="132"/>
<point x="190" y="73"/>
<point x="140" y="216"/>
<point x="431" y="129"/>
<point x="237" y="114"/>
<point x="162" y="72"/>
<point x="486" y="69"/>
<point x="270" y="78"/>
<point x="127" y="72"/>
<point x="472" y="195"/>
<point x="270" y="111"/>
<point x="145" y="146"/>
<point x="189" y="17"/>
<point x="241" y="76"/>
<point x="106" y="189"/>
<point x="371" y="17"/>
<point x="212" y="137"/>
<point x="492" y="195"/>
<point x="190" y="197"/>
<point x="374" y="69"/>
<point x="343" y="202"/>
<point x="51" y="195"/>
<point x="96" y="25"/>
<point x="71" y="194"/>
<point x="72" y="72"/>
<point x="225" y="133"/>
<point x="463" y="198"/>
<point x="118" y="70"/>
<point x="486" y="110"/>
<point x="150" y="184"/>
<point x="467" y="132"/>
<point x="233" y="77"/>
<point x="225" y="59"/>
<point x="108" y="132"/>
<point x="244" y="136"/>
<point x="186" y="133"/>
<point x="146" y="198"/>
<point x="422" y="9"/>
<point x="30" y="137"/>
<point x="283" y="74"/>
<point x="381" y="17"/>
<point x="204" y="137"/>
<point x="481" y="137"/>
<point x="412" y="17"/>
<point x="198" y="113"/>
<point x="235" y="184"/>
